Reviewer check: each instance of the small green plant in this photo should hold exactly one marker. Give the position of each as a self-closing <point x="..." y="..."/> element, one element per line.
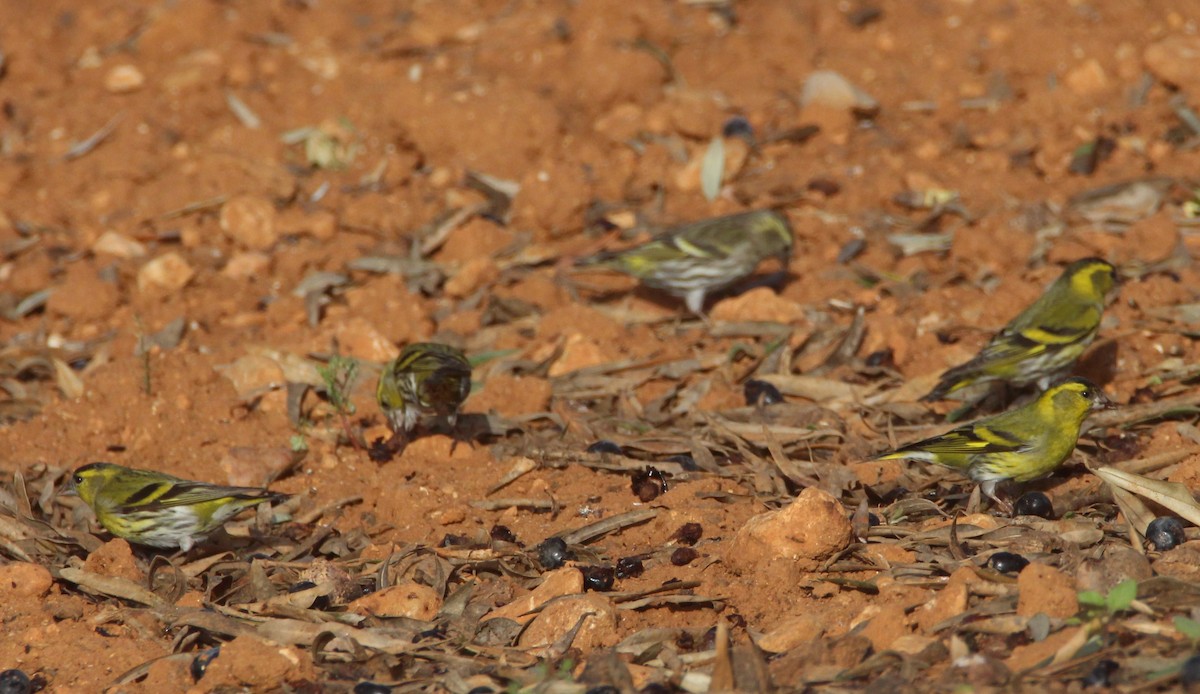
<point x="1118" y="599"/>
<point x="1188" y="627"/>
<point x="298" y="443"/>
<point x="339" y="376"/>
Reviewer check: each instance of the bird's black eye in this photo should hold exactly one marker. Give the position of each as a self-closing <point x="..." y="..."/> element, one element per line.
<point x="1087" y="394"/>
<point x="78" y="479"/>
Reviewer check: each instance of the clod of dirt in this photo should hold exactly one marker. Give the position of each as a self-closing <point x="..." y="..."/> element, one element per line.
<point x="759" y="305"/>
<point x="251" y="661"/>
<point x="811" y="528"/>
<point x="598" y="631"/>
<point x="250" y="466"/>
<point x="407" y="599"/>
<point x="253" y="375"/>
<point x="167" y="675"/>
<point x="115" y="558"/>
<point x="249" y="220"/>
<point x="564" y="581"/>
<point x="951" y="600"/>
<point x="1176" y="61"/>
<point x="884" y="624"/>
<point x="1027" y="656"/>
<point x="791" y="633"/>
<point x="1182" y="563"/>
<point x="166" y="274"/>
<point x="24" y="580"/>
<point x="247" y="265"/>
<point x="473" y="274"/>
<point x="1118" y="563"/>
<point x="1045" y="589"/>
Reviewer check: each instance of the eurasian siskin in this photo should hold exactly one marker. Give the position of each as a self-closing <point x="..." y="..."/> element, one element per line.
<point x="1022" y="444"/>
<point x="1046" y="338"/>
<point x="691" y="260"/>
<point x="428" y="378"/>
<point x="159" y="510"/>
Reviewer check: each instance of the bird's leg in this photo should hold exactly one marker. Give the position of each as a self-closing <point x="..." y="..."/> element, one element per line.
<point x="989" y="490"/>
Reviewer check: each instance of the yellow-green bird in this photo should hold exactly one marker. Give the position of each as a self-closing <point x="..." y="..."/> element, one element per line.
<point x="157" y="509"/>
<point x="1022" y="444"/>
<point x="1045" y="339"/>
<point x="692" y="260"/>
<point x="428" y="378"/>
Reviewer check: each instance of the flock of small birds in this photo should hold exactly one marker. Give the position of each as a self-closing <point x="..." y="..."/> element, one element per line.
<point x="430" y="381"/>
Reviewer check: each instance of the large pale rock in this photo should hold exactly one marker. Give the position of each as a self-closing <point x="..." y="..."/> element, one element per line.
<point x="21" y="579"/>
<point x="599" y="626"/>
<point x="564" y="581"/>
<point x="811" y="528"/>
<point x="250" y="661"/>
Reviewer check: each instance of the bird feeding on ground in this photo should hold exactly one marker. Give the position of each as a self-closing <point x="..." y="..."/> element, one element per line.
<point x="1022" y="444"/>
<point x="427" y="379"/>
<point x="693" y="260"/>
<point x="160" y="510"/>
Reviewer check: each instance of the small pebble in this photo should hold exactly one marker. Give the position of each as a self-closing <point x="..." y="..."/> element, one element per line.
<point x="553" y="553"/>
<point x="1007" y="562"/>
<point x="684" y="556"/>
<point x="1034" y="504"/>
<point x="604" y="446"/>
<point x="1165" y="532"/>
<point x="123" y="79"/>
<point x="201" y="661"/>
<point x="598" y="578"/>
<point x="761" y="393"/>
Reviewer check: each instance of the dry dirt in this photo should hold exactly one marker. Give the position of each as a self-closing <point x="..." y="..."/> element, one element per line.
<point x="177" y="173"/>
